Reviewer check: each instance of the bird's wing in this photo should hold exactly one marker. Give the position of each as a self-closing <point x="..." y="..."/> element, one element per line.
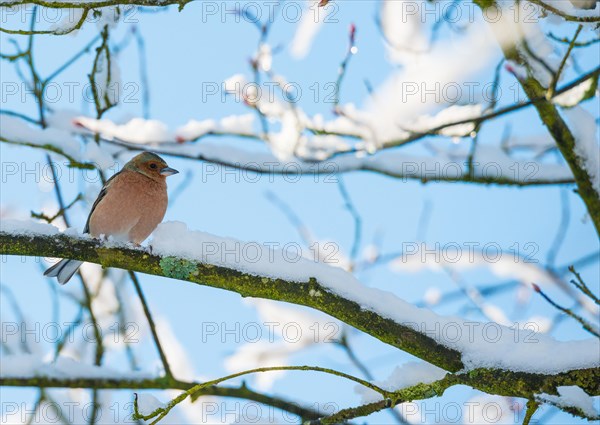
<point x="101" y="196"/>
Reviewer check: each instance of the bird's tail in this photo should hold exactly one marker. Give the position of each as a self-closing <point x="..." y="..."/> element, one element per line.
<point x="63" y="270"/>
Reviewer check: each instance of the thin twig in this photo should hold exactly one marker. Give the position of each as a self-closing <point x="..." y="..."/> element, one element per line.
<point x="355" y="216"/>
<point x="564" y="15"/>
<point x="161" y="412"/>
<point x="532" y="407"/>
<point x="584" y="323"/>
<point x="580" y="284"/>
<point x="151" y="323"/>
<point x="556" y="76"/>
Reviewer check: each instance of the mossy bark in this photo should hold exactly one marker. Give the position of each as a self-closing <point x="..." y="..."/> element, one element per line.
<point x="557" y="127"/>
<point x="247" y="285"/>
<point x="502" y="382"/>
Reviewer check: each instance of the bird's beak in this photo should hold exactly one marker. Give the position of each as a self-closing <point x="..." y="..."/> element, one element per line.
<point x="168" y="171"/>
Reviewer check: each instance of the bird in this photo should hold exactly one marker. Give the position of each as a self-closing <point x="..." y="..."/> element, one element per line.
<point x="129" y="207"/>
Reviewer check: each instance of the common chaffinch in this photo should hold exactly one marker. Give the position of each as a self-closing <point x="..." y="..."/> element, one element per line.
<point x="129" y="207"/>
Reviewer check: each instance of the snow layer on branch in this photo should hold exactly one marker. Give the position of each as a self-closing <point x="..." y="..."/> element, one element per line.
<point x="482" y="345"/>
<point x="20" y="227"/>
<point x="289" y="143"/>
<point x="490" y="161"/>
<point x="284" y="142"/>
<point x="339" y="125"/>
<point x="449" y="115"/>
<point x="240" y="124"/>
<point x="572" y="396"/>
<point x="27" y="365"/>
<point x="568" y="8"/>
<point x="68" y="22"/>
<point x="585" y="131"/>
<point x="308" y="28"/>
<point x="517" y="25"/>
<point x="493" y="162"/>
<point x="137" y="130"/>
<point x="147" y="404"/>
<point x="17" y="130"/>
<point x="154" y="132"/>
<point x="577" y="94"/>
<point x="60" y="134"/>
<point x="407" y="375"/>
<point x="194" y="129"/>
<point x="419" y="87"/>
<point x="402" y="25"/>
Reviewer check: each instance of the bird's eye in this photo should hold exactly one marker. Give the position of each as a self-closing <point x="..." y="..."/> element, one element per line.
<point x="153" y="166"/>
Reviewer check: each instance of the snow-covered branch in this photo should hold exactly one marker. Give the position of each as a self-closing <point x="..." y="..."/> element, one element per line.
<point x="196" y="257"/>
<point x="578" y="143"/>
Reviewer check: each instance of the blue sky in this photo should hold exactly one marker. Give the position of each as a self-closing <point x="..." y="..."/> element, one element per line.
<point x="187" y="49"/>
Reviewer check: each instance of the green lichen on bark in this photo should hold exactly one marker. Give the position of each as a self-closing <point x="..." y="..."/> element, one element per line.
<point x="177" y="268"/>
<point x="484" y="4"/>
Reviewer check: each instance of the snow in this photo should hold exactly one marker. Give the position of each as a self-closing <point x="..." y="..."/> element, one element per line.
<point x="99" y="156"/>
<point x="147" y="404"/>
<point x="422" y="86"/>
<point x="584" y="129"/>
<point x="568" y="8"/>
<point x="264" y="57"/>
<point x="154" y="132"/>
<point x="519" y="23"/>
<point x="407" y="375"/>
<point x="17" y="130"/>
<point x="575" y="95"/>
<point x="449" y="115"/>
<point x="291" y="148"/>
<point x="339" y="125"/>
<point x="481" y="344"/>
<point x="28" y="227"/>
<point x="283" y="143"/>
<point x="432" y="296"/>
<point x="506" y="265"/>
<point x="194" y="129"/>
<point x="136" y="130"/>
<point x="308" y="28"/>
<point x="235" y="83"/>
<point x="486" y="409"/>
<point x="243" y="124"/>
<point x="68" y="22"/>
<point x="402" y="25"/>
<point x="572" y="396"/>
<point x="27" y="365"/>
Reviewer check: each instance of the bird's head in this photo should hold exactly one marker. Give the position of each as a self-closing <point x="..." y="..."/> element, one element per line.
<point x="150" y="165"/>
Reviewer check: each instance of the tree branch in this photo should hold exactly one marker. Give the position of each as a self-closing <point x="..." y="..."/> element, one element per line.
<point x="562" y="14"/>
<point x="163" y="383"/>
<point x="559" y="131"/>
<point x="399" y="335"/>
<point x="95" y="4"/>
